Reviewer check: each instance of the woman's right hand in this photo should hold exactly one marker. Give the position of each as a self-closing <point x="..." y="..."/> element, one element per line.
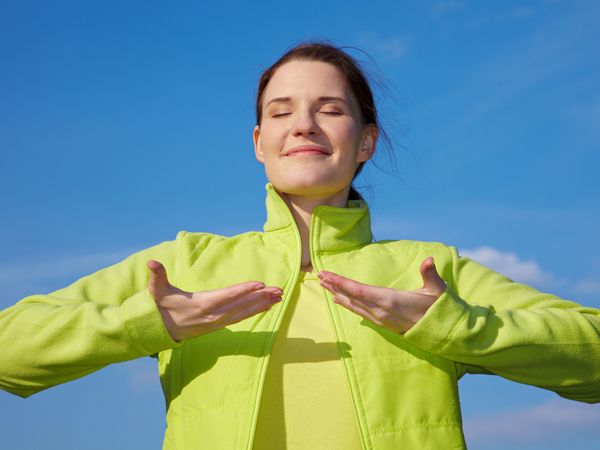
<point x="190" y="314"/>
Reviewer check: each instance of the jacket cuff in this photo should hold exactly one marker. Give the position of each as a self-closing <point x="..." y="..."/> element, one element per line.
<point x="434" y="330"/>
<point x="145" y="324"/>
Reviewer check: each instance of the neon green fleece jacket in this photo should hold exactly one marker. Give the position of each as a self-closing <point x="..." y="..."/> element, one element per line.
<point x="403" y="387"/>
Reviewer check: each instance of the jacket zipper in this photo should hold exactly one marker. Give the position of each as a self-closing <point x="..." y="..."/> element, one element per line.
<point x="277" y="326"/>
<point x="317" y="266"/>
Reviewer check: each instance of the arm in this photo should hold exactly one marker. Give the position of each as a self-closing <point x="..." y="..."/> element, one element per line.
<point x="489" y="324"/>
<point x="102" y="318"/>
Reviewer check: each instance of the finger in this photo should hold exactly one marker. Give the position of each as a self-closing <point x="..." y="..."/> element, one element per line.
<point x="370" y="298"/>
<point x="221" y="297"/>
<point x="343" y="300"/>
<point x="347" y="300"/>
<point x="248" y="311"/>
<point x="158" y="281"/>
<point x="157" y="269"/>
<point x="236" y="290"/>
<point x="431" y="280"/>
<point x="352" y="288"/>
<point x="269" y="294"/>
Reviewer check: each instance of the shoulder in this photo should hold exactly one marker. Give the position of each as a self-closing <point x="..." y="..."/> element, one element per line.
<point x="196" y="239"/>
<point x="200" y="238"/>
<point x="201" y="242"/>
<point x="406" y="246"/>
<point x="412" y="253"/>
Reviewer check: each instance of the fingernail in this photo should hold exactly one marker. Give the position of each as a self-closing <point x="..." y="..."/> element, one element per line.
<point x="258" y="286"/>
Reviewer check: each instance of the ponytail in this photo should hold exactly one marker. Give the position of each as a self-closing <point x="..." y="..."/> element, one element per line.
<point x="354" y="194"/>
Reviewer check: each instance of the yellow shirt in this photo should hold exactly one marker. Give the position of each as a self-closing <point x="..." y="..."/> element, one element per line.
<point x="306" y="400"/>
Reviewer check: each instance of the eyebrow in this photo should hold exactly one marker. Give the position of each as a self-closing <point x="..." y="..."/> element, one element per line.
<point x="321" y="99"/>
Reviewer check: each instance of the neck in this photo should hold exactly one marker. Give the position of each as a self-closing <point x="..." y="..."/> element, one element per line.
<point x="302" y="208"/>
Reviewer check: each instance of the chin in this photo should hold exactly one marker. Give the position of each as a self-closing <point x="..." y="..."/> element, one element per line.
<point x="308" y="187"/>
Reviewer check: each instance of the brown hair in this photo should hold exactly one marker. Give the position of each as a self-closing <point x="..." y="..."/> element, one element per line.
<point x="347" y="65"/>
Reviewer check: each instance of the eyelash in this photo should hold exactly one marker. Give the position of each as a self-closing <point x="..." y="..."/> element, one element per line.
<point x="333" y="113"/>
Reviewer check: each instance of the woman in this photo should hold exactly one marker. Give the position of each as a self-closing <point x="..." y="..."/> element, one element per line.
<point x="337" y="342"/>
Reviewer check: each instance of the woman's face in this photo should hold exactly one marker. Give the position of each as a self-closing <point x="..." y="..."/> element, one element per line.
<point x="311" y="139"/>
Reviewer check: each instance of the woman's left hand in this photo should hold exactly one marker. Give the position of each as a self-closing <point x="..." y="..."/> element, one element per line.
<point x="391" y="308"/>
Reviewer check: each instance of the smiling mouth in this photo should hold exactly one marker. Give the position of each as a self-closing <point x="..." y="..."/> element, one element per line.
<point x="302" y="150"/>
<point x="307" y="153"/>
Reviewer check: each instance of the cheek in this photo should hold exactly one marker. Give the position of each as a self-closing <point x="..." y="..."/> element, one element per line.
<point x="347" y="140"/>
<point x="345" y="132"/>
<point x="272" y="138"/>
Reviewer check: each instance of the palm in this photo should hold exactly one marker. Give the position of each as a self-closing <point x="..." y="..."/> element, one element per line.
<point x="189" y="314"/>
<point x="391" y="308"/>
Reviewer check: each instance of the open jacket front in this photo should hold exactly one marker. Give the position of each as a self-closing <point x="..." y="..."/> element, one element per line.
<point x="403" y="387"/>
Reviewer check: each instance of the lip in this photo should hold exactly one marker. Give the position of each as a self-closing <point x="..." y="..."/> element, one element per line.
<point x="307" y="149"/>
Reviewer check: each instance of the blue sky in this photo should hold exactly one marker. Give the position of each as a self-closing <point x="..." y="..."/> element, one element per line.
<point x="122" y="123"/>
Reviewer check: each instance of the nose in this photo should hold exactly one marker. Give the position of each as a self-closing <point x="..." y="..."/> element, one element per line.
<point x="305" y="125"/>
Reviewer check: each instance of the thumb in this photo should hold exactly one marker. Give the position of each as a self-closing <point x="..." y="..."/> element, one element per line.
<point x="432" y="282"/>
<point x="158" y="283"/>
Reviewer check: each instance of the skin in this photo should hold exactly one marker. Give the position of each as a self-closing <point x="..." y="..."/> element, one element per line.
<point x="391" y="308"/>
<point x="190" y="314"/>
<point x="306" y="180"/>
<point x="296" y="112"/>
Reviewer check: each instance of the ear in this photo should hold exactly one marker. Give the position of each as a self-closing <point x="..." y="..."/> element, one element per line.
<point x="368" y="144"/>
<point x="257" y="145"/>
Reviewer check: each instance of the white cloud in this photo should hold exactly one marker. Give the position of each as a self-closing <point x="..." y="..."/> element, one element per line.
<point x="143" y="378"/>
<point x="141" y="374"/>
<point x="509" y="264"/>
<point x="392" y="47"/>
<point x="442" y="7"/>
<point x="550" y="50"/>
<point x="522" y="11"/>
<point x="66" y="266"/>
<point x="541" y="423"/>
<point x="586" y="114"/>
<point x="587" y="286"/>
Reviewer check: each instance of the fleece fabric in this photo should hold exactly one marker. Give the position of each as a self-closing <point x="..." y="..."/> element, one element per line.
<point x="403" y="388"/>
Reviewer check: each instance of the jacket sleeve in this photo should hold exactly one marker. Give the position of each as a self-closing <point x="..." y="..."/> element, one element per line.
<point x="489" y="324"/>
<point x="102" y="318"/>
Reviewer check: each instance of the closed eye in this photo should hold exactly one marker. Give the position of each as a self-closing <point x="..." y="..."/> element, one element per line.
<point x="281" y="114"/>
<point x="332" y="113"/>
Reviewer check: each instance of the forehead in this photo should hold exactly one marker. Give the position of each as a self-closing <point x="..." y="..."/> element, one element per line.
<point x="307" y="78"/>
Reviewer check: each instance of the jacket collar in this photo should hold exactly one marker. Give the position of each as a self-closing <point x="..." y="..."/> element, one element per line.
<point x="333" y="228"/>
